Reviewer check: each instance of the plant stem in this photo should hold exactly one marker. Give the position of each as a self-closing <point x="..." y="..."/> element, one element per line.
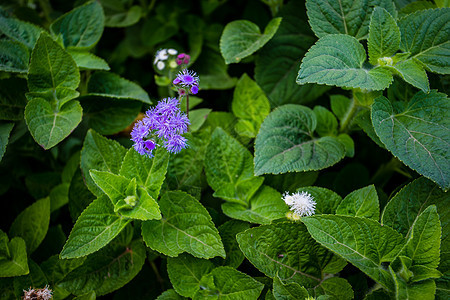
<point x="349" y="116"/>
<point x="187" y="105"/>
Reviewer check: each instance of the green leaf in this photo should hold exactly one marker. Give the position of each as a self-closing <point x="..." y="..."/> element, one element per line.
<point x="348" y="143"/>
<point x="337" y="59"/>
<point x="242" y="38"/>
<point x="228" y="283"/>
<point x="327" y="201"/>
<point x="350" y="17"/>
<point x="185" y="273"/>
<point x="288" y="291"/>
<point x="20" y="31"/>
<point x="13" y="256"/>
<point x="413" y="73"/>
<point x="88" y="61"/>
<point x="384" y="35"/>
<point x="229" y="169"/>
<point x="423" y="290"/>
<point x="12" y="99"/>
<point x="149" y="172"/>
<point x="128" y="202"/>
<point x="417" y="133"/>
<point x="228" y="231"/>
<point x="5" y="130"/>
<point x="283" y="249"/>
<point x="34" y="279"/>
<point x="249" y="104"/>
<point x="198" y="118"/>
<point x="186" y="226"/>
<point x="340" y="105"/>
<point x="285" y="143"/>
<point x="79" y="195"/>
<point x="14" y="57"/>
<point x="88" y="296"/>
<point x="361" y="203"/>
<point x="335" y="288"/>
<point x="278" y="62"/>
<point x="111" y="85"/>
<point x="101" y="154"/>
<point x="121" y="18"/>
<point x="363" y="242"/>
<point x="97" y="225"/>
<point x="81" y="27"/>
<point x="170" y="295"/>
<point x="107" y="270"/>
<point x="264" y="206"/>
<point x="49" y="127"/>
<point x="425" y="36"/>
<point x="326" y="121"/>
<point x="32" y="224"/>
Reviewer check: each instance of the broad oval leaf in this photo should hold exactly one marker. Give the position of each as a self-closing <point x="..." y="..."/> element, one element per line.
<point x="14" y="57"/>
<point x="337" y="59"/>
<point x="20" y="31"/>
<point x="81" y="27"/>
<point x="413" y="73"/>
<point x="350" y="17"/>
<point x="242" y="38"/>
<point x="425" y="34"/>
<point x="285" y="143"/>
<point x="228" y="231"/>
<point x="97" y="225"/>
<point x="288" y="291"/>
<point x="88" y="61"/>
<point x="363" y="242"/>
<point x="228" y="283"/>
<point x="418" y="133"/>
<point x="327" y="201"/>
<point x="361" y="203"/>
<point x="13" y="256"/>
<point x="186" y="226"/>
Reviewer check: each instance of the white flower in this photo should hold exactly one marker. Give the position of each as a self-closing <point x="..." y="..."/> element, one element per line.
<point x="160" y="65"/>
<point x="161" y="55"/>
<point x="172" y="51"/>
<point x="302" y="204"/>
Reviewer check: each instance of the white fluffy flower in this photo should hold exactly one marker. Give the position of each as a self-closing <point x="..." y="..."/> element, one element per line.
<point x="302" y="204"/>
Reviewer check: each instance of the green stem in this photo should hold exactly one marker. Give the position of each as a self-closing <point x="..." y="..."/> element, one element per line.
<point x="187" y="104"/>
<point x="46" y="8"/>
<point x="350" y="114"/>
<point x="385" y="171"/>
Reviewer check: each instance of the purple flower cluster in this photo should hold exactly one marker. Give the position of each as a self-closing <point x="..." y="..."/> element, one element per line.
<point x="187" y="80"/>
<point x="164" y="123"/>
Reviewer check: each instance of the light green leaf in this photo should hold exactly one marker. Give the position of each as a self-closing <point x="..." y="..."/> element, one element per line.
<point x="228" y="283"/>
<point x="149" y="172"/>
<point x="198" y="118"/>
<point x="127" y="200"/>
<point x="111" y="85"/>
<point x="97" y="225"/>
<point x="88" y="61"/>
<point x="242" y="38"/>
<point x="335" y="288"/>
<point x="425" y="34"/>
<point x="186" y="226"/>
<point x="49" y="127"/>
<point x="340" y="105"/>
<point x="20" y="31"/>
<point x="350" y="17"/>
<point x="228" y="231"/>
<point x="361" y="203"/>
<point x="363" y="242"/>
<point x="5" y="130"/>
<point x="283" y="249"/>
<point x="326" y="121"/>
<point x="337" y="59"/>
<point x="288" y="291"/>
<point x="229" y="169"/>
<point x="13" y="256"/>
<point x="107" y="270"/>
<point x="423" y="290"/>
<point x="14" y="57"/>
<point x="32" y="224"/>
<point x="348" y="143"/>
<point x="81" y="27"/>
<point x="384" y="35"/>
<point x="413" y="73"/>
<point x="101" y="154"/>
<point x="249" y="104"/>
<point x="285" y="143"/>
<point x="264" y="206"/>
<point x="185" y="273"/>
<point x="12" y="99"/>
<point x="418" y="133"/>
<point x="170" y="295"/>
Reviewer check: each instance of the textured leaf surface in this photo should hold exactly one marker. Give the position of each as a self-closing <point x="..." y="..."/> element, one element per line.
<point x="278" y="62"/>
<point x="285" y="143"/>
<point x="20" y="31"/>
<point x="350" y="17"/>
<point x="97" y="225"/>
<point x="111" y="85"/>
<point x="13" y="256"/>
<point x="228" y="283"/>
<point x="426" y="35"/>
<point x="361" y="203"/>
<point x="5" y="130"/>
<point x="335" y="288"/>
<point x="186" y="271"/>
<point x="14" y="57"/>
<point x="384" y="35"/>
<point x="363" y="242"/>
<point x="149" y="172"/>
<point x="327" y="200"/>
<point x="264" y="206"/>
<point x="88" y="61"/>
<point x="82" y="27"/>
<point x="229" y="169"/>
<point x="337" y="59"/>
<point x="32" y="224"/>
<point x="102" y="154"/>
<point x="413" y="73"/>
<point x="418" y="134"/>
<point x="170" y="295"/>
<point x="242" y="38"/>
<point x="288" y="291"/>
<point x="185" y="226"/>
<point x="228" y="231"/>
<point x="107" y="270"/>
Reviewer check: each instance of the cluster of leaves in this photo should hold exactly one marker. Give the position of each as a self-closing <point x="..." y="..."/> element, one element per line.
<point x="303" y="109"/>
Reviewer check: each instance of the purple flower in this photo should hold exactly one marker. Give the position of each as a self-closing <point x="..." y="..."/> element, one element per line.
<point x="194" y="89"/>
<point x="187" y="78"/>
<point x="175" y="144"/>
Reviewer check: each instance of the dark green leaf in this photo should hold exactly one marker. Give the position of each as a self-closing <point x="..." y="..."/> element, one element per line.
<point x="228" y="231"/>
<point x="288" y="291"/>
<point x="13" y="256"/>
<point x="20" y="31"/>
<point x="361" y="203"/>
<point x="5" y="130"/>
<point x="12" y="99"/>
<point x="14" y="57"/>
